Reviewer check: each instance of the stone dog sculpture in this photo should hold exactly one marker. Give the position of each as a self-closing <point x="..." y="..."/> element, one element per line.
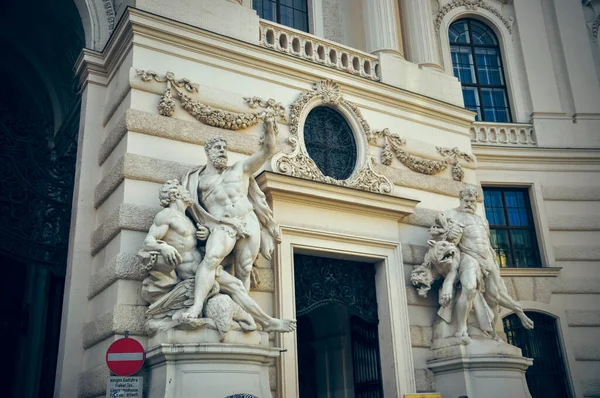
<point x="185" y="282"/>
<point x="460" y="252"/>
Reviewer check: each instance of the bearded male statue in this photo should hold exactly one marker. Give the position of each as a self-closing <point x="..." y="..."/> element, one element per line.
<point x="227" y="201"/>
<point x="467" y="261"/>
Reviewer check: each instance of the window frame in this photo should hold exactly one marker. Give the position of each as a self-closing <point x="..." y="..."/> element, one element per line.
<point x="532" y="228"/>
<point x="472" y="46"/>
<point x="277" y="4"/>
<point x="526" y="336"/>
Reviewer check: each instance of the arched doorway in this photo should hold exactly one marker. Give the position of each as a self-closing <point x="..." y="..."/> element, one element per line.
<point x="39" y="122"/>
<point x="547" y="377"/>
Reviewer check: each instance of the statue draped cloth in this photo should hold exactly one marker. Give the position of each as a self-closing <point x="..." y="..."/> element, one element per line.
<point x="269" y="228"/>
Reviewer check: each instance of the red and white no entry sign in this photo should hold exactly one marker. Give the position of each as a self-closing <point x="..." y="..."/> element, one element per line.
<point x="125" y="357"/>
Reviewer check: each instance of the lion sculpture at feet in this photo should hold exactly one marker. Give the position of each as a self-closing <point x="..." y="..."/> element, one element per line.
<point x="472" y="290"/>
<point x="217" y="216"/>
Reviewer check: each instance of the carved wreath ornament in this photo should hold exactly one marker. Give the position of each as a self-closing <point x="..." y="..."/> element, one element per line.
<point x="297" y="162"/>
<point x="177" y="88"/>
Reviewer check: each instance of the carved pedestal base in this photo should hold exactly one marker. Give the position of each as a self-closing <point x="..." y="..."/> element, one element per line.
<point x="198" y="365"/>
<point x="481" y="369"/>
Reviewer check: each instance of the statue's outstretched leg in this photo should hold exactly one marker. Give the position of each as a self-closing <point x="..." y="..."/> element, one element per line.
<point x="235" y="289"/>
<point x="218" y="245"/>
<point x="246" y="250"/>
<point x="468" y="281"/>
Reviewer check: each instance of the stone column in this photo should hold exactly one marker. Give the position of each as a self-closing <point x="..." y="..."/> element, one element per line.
<point x="421" y="41"/>
<point x="382" y="21"/>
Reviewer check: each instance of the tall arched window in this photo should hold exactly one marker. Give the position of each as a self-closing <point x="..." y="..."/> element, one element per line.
<point x="547" y="377"/>
<point x="477" y="63"/>
<point x="292" y="13"/>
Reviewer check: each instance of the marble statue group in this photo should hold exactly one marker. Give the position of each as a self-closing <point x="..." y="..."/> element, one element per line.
<point x="472" y="290"/>
<point x="200" y="252"/>
<point x="201" y="248"/>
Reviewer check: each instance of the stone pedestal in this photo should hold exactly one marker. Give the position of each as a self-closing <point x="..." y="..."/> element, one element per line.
<point x="188" y="364"/>
<point x="483" y="368"/>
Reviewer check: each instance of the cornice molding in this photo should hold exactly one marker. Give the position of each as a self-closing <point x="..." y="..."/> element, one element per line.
<point x="551" y="272"/>
<point x="174" y="38"/>
<point x="537" y="156"/>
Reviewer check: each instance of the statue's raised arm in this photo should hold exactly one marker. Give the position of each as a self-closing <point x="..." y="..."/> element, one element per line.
<point x="268" y="146"/>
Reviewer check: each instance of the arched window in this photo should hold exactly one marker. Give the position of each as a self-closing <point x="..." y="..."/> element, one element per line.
<point x="477" y="63"/>
<point x="546" y="378"/>
<point x="330" y="142"/>
<point x="292" y="13"/>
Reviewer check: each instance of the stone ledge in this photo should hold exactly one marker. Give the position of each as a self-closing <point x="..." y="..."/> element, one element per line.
<point x="120" y="319"/>
<point x="577" y="286"/>
<point x="127" y="216"/>
<point x="568" y="193"/>
<point x="267" y="280"/>
<point x="425" y="380"/>
<point x="574" y="223"/>
<point x="587" y="353"/>
<point x="173" y="129"/>
<point x="122" y="266"/>
<point x="577" y="253"/>
<point x="583" y="318"/>
<point x="92" y="382"/>
<point x="413" y="254"/>
<point x="413" y="298"/>
<point x="530" y="272"/>
<point x="137" y="167"/>
<point x="421" y="217"/>
<point x="421" y="336"/>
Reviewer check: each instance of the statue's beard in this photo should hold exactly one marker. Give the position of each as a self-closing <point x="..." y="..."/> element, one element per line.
<point x="219" y="162"/>
<point x="467" y="209"/>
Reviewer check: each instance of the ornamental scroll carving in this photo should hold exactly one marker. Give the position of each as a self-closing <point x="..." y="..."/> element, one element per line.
<point x="392" y="148"/>
<point x="297" y="162"/>
<point x="179" y="89"/>
<point x="471" y="5"/>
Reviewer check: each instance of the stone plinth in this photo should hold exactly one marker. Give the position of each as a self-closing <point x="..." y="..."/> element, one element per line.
<point x="483" y="368"/>
<point x="198" y="365"/>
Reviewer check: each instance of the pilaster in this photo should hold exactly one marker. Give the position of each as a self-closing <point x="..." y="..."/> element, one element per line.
<point x="382" y="20"/>
<point x="422" y="47"/>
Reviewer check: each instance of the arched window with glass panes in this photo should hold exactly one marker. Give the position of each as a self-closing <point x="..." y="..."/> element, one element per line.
<point x="292" y="13"/>
<point x="477" y="63"/>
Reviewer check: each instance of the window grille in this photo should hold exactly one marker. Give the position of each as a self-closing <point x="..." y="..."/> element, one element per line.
<point x="330" y="142"/>
<point x="477" y="63"/>
<point x="546" y="378"/>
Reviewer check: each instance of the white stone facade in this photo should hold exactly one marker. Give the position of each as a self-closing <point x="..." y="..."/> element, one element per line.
<point x="398" y="75"/>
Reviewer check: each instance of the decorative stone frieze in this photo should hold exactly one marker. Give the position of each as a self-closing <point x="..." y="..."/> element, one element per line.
<point x="392" y="147"/>
<point x="297" y="162"/>
<point x="177" y="88"/>
<point x="471" y="5"/>
<point x="511" y="134"/>
<point x="306" y="46"/>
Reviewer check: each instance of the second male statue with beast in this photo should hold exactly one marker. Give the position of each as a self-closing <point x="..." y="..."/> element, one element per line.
<point x="461" y="254"/>
<point x="232" y="217"/>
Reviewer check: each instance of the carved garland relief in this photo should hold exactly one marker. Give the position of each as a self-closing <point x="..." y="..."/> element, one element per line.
<point x="297" y="162"/>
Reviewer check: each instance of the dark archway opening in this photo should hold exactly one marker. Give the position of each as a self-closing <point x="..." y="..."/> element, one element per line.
<point x="338" y="340"/>
<point x="547" y="377"/>
<point x="39" y="122"/>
